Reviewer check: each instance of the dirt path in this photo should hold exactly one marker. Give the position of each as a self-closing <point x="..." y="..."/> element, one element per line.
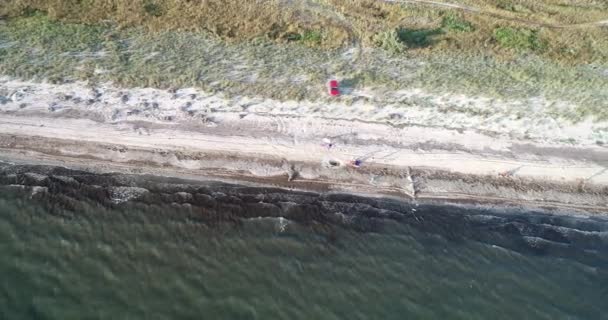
<point x="438" y="4"/>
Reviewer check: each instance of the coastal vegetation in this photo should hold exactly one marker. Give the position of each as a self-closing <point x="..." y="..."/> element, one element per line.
<point x="286" y="50"/>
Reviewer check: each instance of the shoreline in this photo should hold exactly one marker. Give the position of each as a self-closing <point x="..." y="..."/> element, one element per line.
<point x="469" y="190"/>
<point x="69" y="194"/>
<point x="149" y="133"/>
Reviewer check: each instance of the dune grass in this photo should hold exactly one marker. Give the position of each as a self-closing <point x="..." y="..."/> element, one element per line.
<point x="180" y="44"/>
<point x="171" y="59"/>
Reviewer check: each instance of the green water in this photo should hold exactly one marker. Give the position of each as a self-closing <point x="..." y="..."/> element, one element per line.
<point x="104" y="264"/>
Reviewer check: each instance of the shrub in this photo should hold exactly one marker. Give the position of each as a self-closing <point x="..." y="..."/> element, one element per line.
<point x="417" y="38"/>
<point x="153" y="9"/>
<point x="293" y="36"/>
<point x="389" y="41"/>
<point x="396" y="41"/>
<point x="506" y="6"/>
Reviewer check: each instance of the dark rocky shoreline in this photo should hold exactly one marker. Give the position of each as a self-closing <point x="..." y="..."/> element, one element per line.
<point x="66" y="193"/>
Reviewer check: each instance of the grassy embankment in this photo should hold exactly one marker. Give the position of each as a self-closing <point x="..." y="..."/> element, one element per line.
<point x="272" y="49"/>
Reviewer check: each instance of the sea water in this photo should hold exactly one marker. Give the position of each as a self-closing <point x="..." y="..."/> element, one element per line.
<point x="64" y="256"/>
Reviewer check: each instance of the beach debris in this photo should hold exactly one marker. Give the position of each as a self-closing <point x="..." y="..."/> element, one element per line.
<point x="186" y="106"/>
<point x="36" y="190"/>
<point x="17" y="95"/>
<point x="65" y="97"/>
<point x="282" y="224"/>
<point x="410" y="187"/>
<point x="123" y="194"/>
<point x="331" y="163"/>
<point x="54" y="107"/>
<point x="509" y="173"/>
<point x="96" y="93"/>
<point x="327" y="144"/>
<point x="292" y="172"/>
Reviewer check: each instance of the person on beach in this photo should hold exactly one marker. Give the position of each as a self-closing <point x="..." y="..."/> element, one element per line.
<point x="356" y="163"/>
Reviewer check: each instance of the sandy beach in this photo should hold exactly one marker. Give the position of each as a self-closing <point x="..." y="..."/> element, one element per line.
<point x="190" y="133"/>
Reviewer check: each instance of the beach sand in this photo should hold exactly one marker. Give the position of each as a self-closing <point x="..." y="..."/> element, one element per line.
<point x="193" y="134"/>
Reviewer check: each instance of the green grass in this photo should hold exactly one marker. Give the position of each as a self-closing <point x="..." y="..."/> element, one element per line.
<point x="518" y="38"/>
<point x="452" y="22"/>
<point x="308" y="37"/>
<point x="312" y="36"/>
<point x="44" y="33"/>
